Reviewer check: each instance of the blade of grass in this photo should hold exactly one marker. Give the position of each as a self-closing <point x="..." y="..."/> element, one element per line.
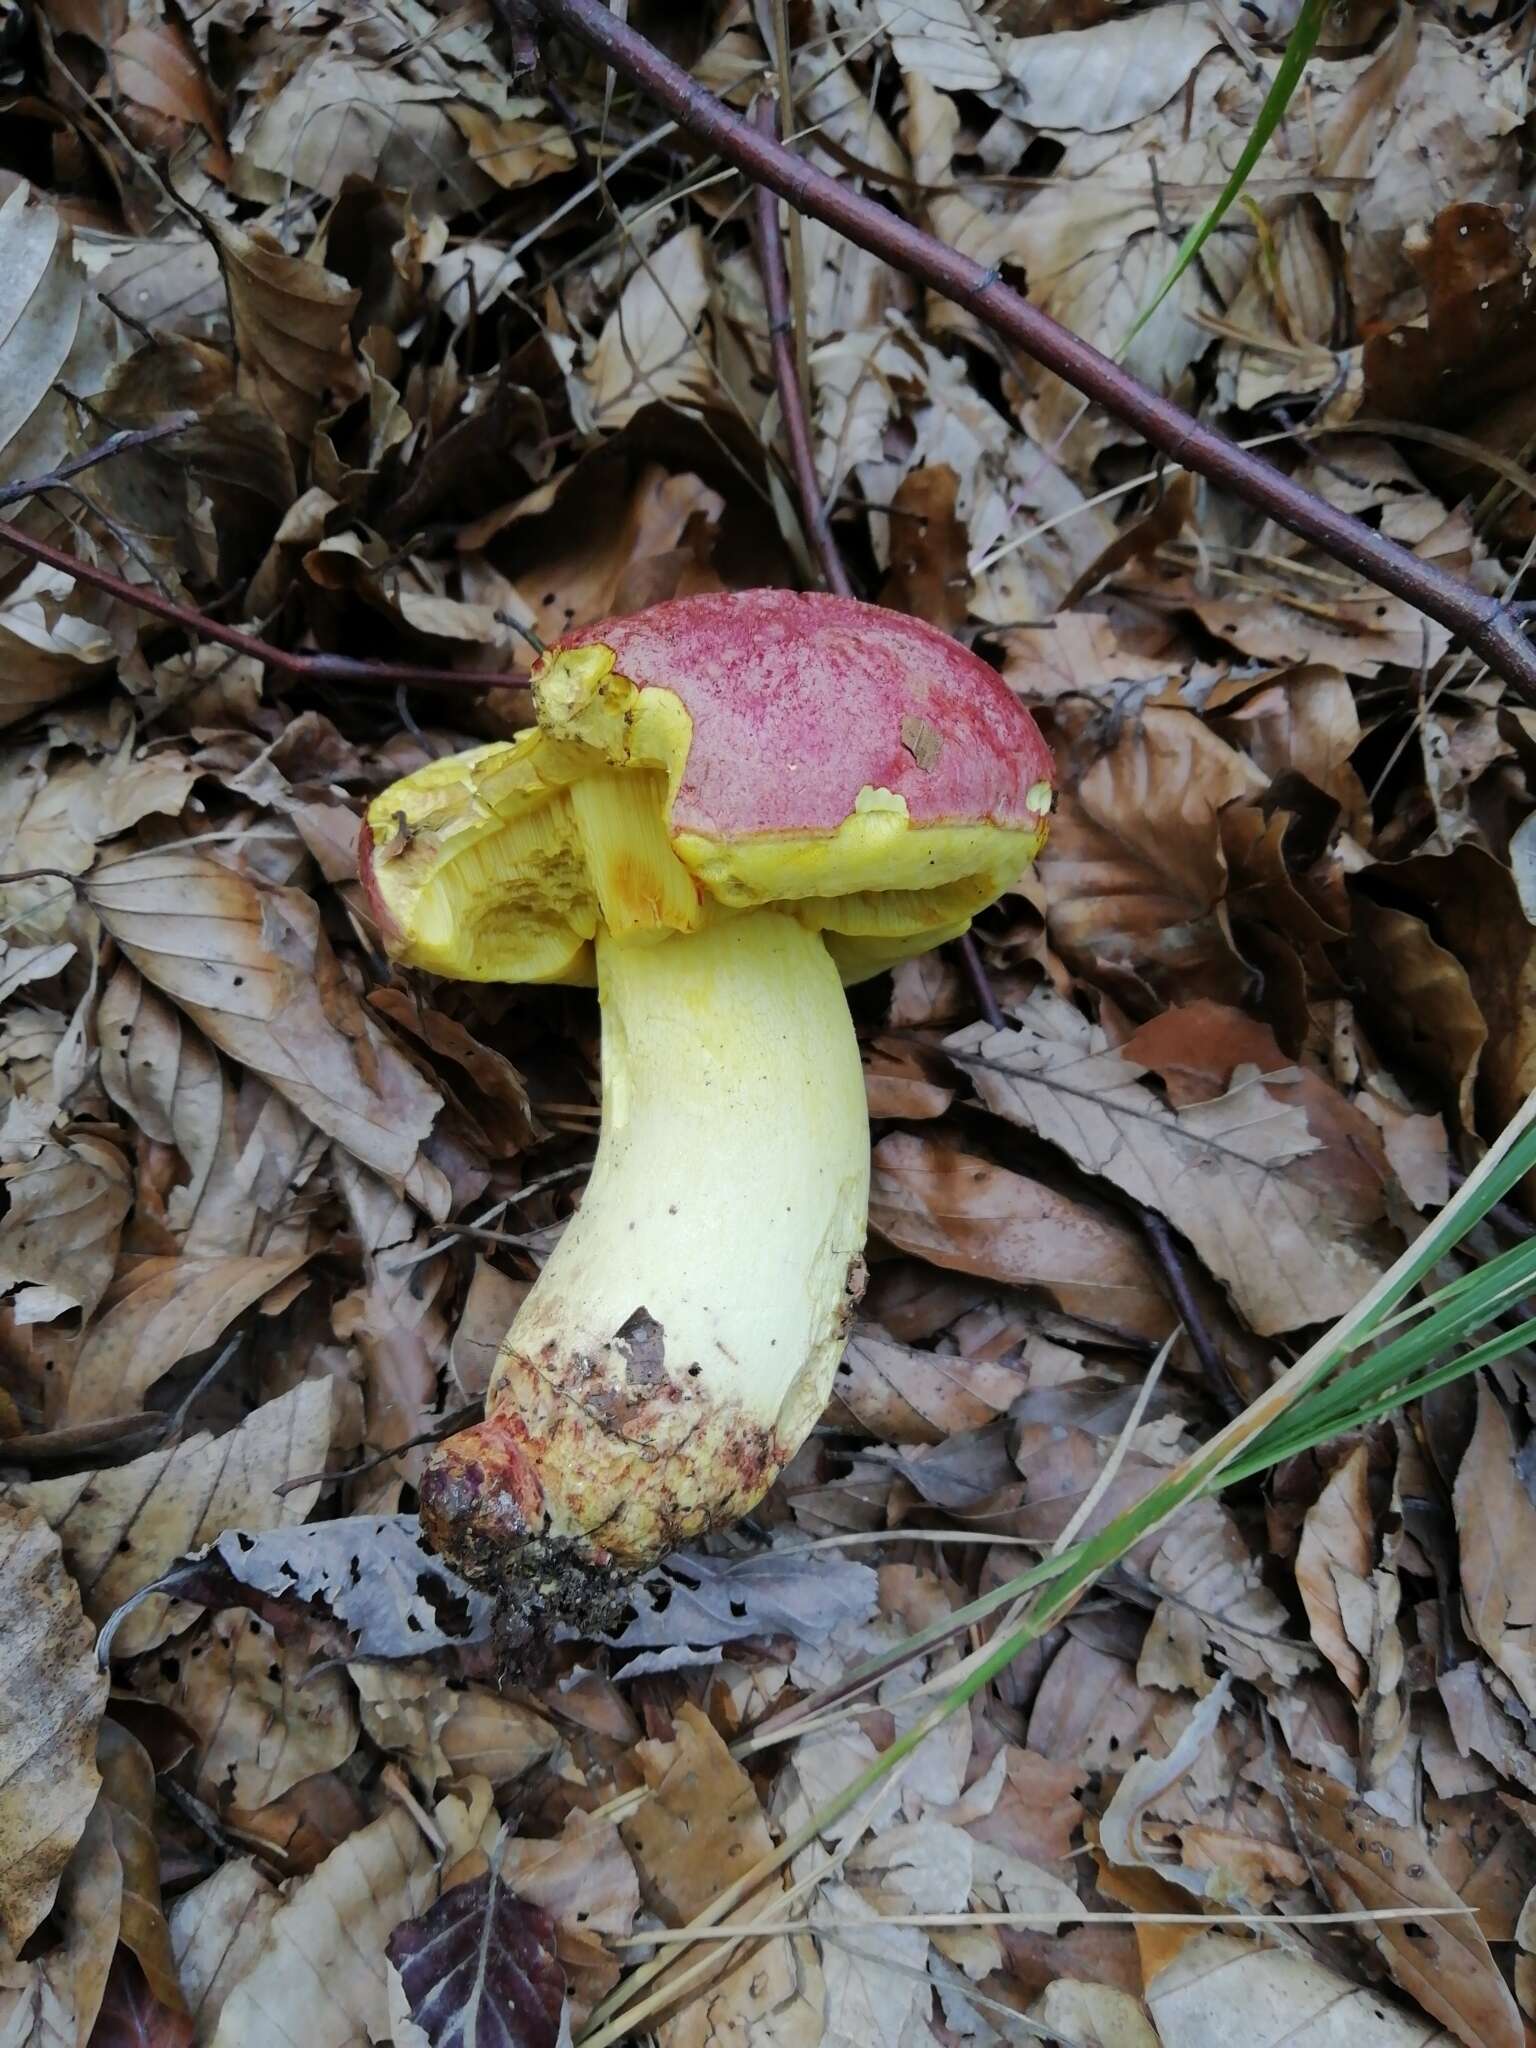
<point x="1293" y="62"/>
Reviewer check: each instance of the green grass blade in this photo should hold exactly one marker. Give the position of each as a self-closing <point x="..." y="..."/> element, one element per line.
<point x="1303" y="41"/>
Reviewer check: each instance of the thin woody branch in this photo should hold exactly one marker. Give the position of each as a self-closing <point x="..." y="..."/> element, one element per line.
<point x="314" y="668"/>
<point x="786" y="375"/>
<point x="1481" y="621"/>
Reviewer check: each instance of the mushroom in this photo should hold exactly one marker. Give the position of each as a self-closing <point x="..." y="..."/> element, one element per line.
<point x="731" y="805"/>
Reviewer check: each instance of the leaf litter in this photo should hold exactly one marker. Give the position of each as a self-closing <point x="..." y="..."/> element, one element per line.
<point x="451" y="352"/>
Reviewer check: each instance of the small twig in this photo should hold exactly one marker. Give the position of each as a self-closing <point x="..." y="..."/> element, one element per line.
<point x="786" y="374"/>
<point x="1504" y="1214"/>
<point x="1483" y="622"/>
<point x="981" y="982"/>
<point x="314" y="668"/>
<point x="115" y="444"/>
<point x="450" y="1424"/>
<point x="1170" y="1263"/>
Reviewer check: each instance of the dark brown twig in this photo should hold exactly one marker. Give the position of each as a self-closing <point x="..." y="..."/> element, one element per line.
<point x="104" y="451"/>
<point x="314" y="668"/>
<point x="1483" y="622"/>
<point x="786" y="373"/>
<point x="1170" y="1263"/>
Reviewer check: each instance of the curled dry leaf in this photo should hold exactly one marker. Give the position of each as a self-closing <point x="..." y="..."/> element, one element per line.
<point x="1333" y="1565"/>
<point x="51" y="1698"/>
<point x="1496" y="1525"/>
<point x="319" y="1979"/>
<point x="960" y="1211"/>
<point x="478" y="1969"/>
<point x="253" y="969"/>
<point x="1133" y="870"/>
<point x="121" y="1528"/>
<point x="1243" y="1176"/>
<point x="128" y="1797"/>
<point x="290" y="320"/>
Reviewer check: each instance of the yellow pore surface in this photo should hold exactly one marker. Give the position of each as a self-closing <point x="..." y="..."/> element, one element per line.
<point x="500" y="863"/>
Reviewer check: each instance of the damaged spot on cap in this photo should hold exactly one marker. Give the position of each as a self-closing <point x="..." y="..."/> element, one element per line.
<point x="1038" y="798"/>
<point x="922" y="742"/>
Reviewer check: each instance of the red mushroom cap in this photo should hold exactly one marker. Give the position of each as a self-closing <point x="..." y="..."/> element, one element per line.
<point x="800" y="701"/>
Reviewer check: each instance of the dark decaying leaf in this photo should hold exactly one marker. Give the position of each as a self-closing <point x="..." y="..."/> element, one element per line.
<point x="376" y="1591"/>
<point x="132" y="2017"/>
<point x="479" y="1971"/>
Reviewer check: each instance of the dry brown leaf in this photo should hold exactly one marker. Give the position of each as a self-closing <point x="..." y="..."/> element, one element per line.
<point x="1423" y="998"/>
<point x="165" y="1310"/>
<point x="123" y="1527"/>
<point x="701" y="1827"/>
<point x="1364" y="1862"/>
<point x="1242" y="1176"/>
<point x="52" y="2001"/>
<point x="253" y="969"/>
<point x="53" y="1696"/>
<point x="60" y="1232"/>
<point x="962" y="1212"/>
<point x="1096" y="2015"/>
<point x="649" y="347"/>
<point x="1133" y="870"/>
<point x="128" y="1796"/>
<point x="902" y="1396"/>
<point x="290" y="321"/>
<point x="166" y="1077"/>
<point x="1218" y="1987"/>
<point x="264" y="1718"/>
<point x="1496" y="1525"/>
<point x="1333" y="1565"/>
<point x="491" y="1300"/>
<point x="319" y="1979"/>
<point x="217" y="1931"/>
<point x="1214" y="1603"/>
<point x="1476" y="913"/>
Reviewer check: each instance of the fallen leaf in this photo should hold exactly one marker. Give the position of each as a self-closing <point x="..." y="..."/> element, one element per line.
<point x="1095" y="2015"/>
<point x="263" y="1718"/>
<point x="122" y="1527"/>
<point x="169" y="1309"/>
<point x="1364" y="1862"/>
<point x="59" y="1237"/>
<point x="648" y="349"/>
<point x="252" y="968"/>
<point x="128" y="1797"/>
<point x="478" y="1969"/>
<point x="702" y="1825"/>
<point x="51" y="1698"/>
<point x="1333" y="1567"/>
<point x="1133" y="871"/>
<point x="1496" y="1525"/>
<point x="899" y="1395"/>
<point x="130" y="2016"/>
<point x="1242" y="1176"/>
<point x="1217" y="1985"/>
<point x="217" y="1931"/>
<point x="290" y="320"/>
<point x="319" y="1979"/>
<point x="959" y="1211"/>
<point x="51" y="2001"/>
